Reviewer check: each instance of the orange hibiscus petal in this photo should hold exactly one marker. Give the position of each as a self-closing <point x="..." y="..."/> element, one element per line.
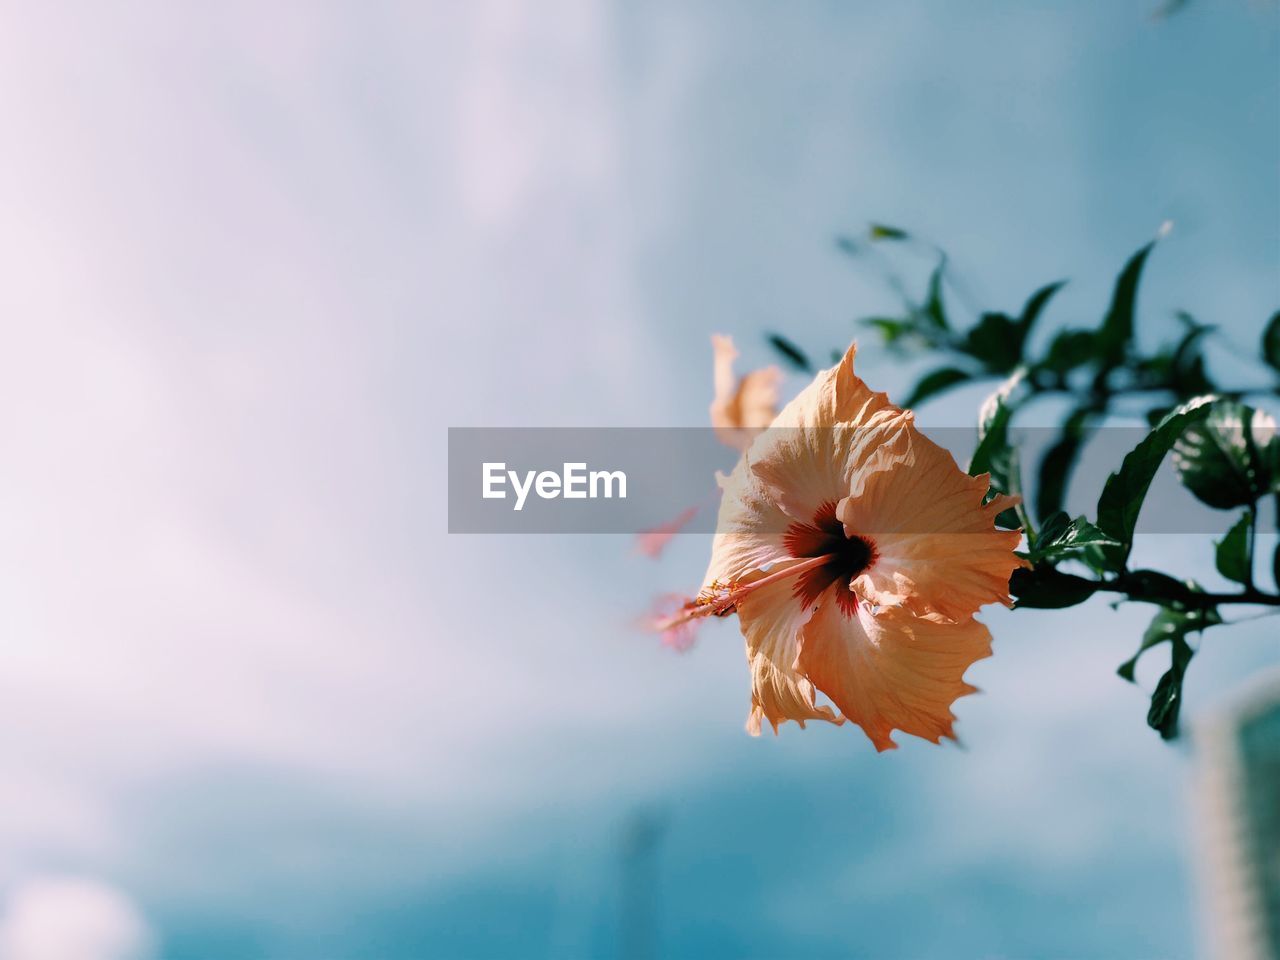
<point x="936" y="546"/>
<point x="821" y="440"/>
<point x="890" y="670"/>
<point x="771" y="622"/>
<point x="750" y="529"/>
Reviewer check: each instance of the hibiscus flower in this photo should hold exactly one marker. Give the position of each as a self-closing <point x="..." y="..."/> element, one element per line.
<point x="855" y="553"/>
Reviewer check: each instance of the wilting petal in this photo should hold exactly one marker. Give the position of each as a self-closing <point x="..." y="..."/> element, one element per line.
<point x="771" y="623"/>
<point x="936" y="546"/>
<point x="743" y="408"/>
<point x="891" y="670"/>
<point x="822" y="439"/>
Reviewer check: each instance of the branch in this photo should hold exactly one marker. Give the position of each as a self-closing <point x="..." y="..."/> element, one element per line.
<point x="1137" y="586"/>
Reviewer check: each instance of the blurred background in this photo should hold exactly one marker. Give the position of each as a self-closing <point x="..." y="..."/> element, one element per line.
<point x="257" y="703"/>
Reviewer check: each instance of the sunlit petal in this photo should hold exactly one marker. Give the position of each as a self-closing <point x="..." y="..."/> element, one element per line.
<point x="771" y="622"/>
<point x="936" y="545"/>
<point x="891" y="670"/>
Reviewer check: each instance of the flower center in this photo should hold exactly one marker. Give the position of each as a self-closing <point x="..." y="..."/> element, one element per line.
<point x="848" y="556"/>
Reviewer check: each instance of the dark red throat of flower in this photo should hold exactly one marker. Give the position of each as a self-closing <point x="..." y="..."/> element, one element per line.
<point x="849" y="557"/>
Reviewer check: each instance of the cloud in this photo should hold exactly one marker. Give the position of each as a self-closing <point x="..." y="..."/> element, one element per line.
<point x="69" y="918"/>
<point x="255" y="265"/>
<point x="223" y="480"/>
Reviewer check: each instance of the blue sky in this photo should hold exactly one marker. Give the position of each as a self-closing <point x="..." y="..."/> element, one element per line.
<point x="259" y="261"/>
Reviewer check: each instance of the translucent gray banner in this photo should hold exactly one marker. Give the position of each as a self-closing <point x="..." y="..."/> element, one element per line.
<point x="642" y="479"/>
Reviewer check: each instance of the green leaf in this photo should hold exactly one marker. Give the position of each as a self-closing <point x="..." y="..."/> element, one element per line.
<point x="1231" y="555"/>
<point x="1219" y="461"/>
<point x="934" y="383"/>
<point x="996" y="340"/>
<point x="1061" y="537"/>
<point x="1186" y="369"/>
<point x="1166" y="701"/>
<point x="1006" y="476"/>
<point x="1169" y="625"/>
<point x="993" y="429"/>
<point x="1271" y="342"/>
<point x="934" y="310"/>
<point x="992" y="443"/>
<point x="881" y="231"/>
<point x="1035" y="306"/>
<point x="996" y="457"/>
<point x="1122" y="496"/>
<point x="1270" y="457"/>
<point x="1054" y="526"/>
<point x="1116" y="331"/>
<point x="1101" y="559"/>
<point x="893" y="330"/>
<point x="1151" y="373"/>
<point x="1070" y="349"/>
<point x="1275" y="566"/>
<point x="794" y="355"/>
<point x="1045" y="588"/>
<point x="1058" y="462"/>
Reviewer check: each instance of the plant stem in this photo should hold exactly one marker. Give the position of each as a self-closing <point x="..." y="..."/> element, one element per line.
<point x="1134" y="589"/>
